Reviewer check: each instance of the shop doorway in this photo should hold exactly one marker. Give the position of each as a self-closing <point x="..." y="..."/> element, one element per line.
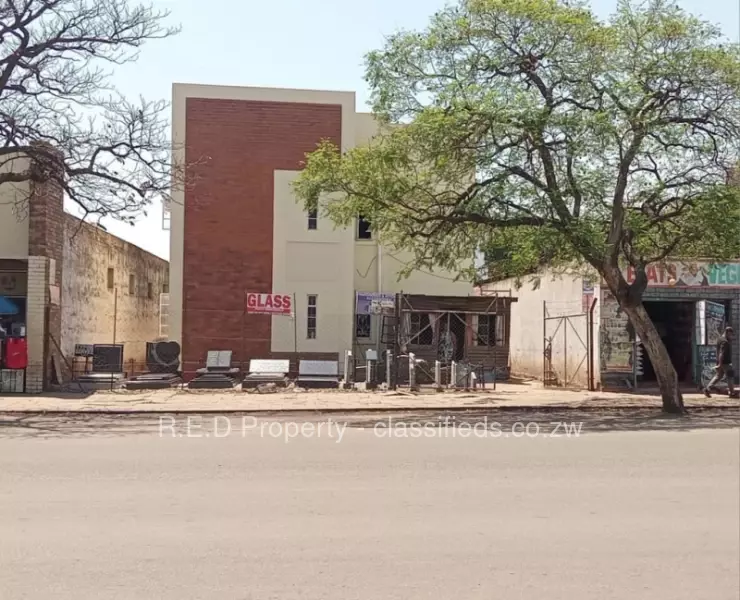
<point x="675" y="323"/>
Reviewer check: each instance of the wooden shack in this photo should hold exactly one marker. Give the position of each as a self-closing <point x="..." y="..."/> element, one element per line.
<point x="472" y="330"/>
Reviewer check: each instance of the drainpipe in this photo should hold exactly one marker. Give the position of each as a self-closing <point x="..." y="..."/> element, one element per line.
<point x="380" y="268"/>
<point x="379" y="326"/>
<point x="380" y="290"/>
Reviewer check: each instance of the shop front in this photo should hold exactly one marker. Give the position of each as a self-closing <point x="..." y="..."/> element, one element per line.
<point x="690" y="303"/>
<point x="13" y="304"/>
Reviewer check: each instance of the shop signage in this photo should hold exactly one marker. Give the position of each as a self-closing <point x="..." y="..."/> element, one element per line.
<point x="367" y="300"/>
<point x="690" y="274"/>
<point x="269" y="304"/>
<point x="13" y="283"/>
<point x="84" y="349"/>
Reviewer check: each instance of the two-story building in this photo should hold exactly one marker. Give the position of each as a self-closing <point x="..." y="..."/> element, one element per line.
<point x="237" y="229"/>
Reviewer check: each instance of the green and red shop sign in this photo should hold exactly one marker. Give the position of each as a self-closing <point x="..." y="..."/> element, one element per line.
<point x="690" y="274"/>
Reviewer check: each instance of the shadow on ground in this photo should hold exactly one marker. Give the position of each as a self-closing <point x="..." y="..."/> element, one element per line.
<point x="592" y="421"/>
<point x="559" y="422"/>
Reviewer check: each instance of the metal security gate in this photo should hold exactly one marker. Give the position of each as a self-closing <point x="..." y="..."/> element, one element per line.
<point x="438" y="328"/>
<point x="567" y="356"/>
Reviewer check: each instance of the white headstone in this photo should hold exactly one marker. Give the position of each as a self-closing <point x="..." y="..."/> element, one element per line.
<point x="329" y="368"/>
<point x="269" y="366"/>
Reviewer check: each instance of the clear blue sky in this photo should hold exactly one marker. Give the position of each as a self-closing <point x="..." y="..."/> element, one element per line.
<point x="316" y="44"/>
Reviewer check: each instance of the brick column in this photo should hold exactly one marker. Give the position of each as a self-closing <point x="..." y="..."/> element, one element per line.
<point x="45" y="251"/>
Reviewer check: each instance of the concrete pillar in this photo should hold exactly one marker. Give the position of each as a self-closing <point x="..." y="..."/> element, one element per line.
<point x="46" y="251"/>
<point x="412" y="370"/>
<point x="347" y="363"/>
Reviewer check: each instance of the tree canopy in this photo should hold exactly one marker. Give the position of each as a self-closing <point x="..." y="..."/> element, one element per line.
<point x="111" y="155"/>
<point x="536" y="132"/>
<point x="531" y="126"/>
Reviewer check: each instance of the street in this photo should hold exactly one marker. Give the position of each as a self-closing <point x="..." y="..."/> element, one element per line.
<point x="125" y="510"/>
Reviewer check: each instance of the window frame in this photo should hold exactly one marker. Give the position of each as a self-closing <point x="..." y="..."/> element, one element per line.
<point x="368" y="232"/>
<point x="312" y="320"/>
<point x="489" y="340"/>
<point x="312" y="219"/>
<point x="369" y="328"/>
<point x="416" y="333"/>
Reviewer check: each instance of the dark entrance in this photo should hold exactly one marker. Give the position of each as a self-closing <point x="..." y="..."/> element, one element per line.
<point x="674" y="322"/>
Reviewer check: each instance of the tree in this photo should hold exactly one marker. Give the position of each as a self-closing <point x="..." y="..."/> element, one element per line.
<point x="533" y="126"/>
<point x="111" y="156"/>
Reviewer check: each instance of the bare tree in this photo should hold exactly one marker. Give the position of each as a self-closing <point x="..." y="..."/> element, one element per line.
<point x="111" y="155"/>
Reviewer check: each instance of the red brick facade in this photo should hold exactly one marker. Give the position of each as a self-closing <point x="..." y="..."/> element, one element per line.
<point x="229" y="214"/>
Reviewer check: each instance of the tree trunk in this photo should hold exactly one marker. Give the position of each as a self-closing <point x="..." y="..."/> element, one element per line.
<point x="659" y="357"/>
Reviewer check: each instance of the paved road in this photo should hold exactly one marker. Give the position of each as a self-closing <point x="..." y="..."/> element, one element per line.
<point x="127" y="514"/>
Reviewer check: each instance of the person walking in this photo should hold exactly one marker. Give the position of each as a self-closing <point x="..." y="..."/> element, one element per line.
<point x="724" y="364"/>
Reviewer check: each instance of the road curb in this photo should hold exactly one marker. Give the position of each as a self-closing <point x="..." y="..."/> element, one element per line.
<point x="369" y="410"/>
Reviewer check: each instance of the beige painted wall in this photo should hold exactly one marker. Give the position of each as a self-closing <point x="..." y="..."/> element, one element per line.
<point x="327" y="262"/>
<point x="88" y="303"/>
<point x="310" y="262"/>
<point x="563" y="295"/>
<point x="13" y="217"/>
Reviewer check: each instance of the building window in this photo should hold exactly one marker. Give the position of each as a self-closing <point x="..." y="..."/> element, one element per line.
<point x="363" y="229"/>
<point x="149" y="290"/>
<point x="311" y="316"/>
<point x="131" y="285"/>
<point x="165" y="288"/>
<point x="421" y="330"/>
<point x="362" y="326"/>
<point x="111" y="278"/>
<point x="313" y="218"/>
<point x="485" y="330"/>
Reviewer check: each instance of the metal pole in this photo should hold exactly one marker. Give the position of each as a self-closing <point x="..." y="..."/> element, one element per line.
<point x="388" y="359"/>
<point x="544" y="342"/>
<point x="347" y="355"/>
<point x="397" y="341"/>
<point x="244" y="333"/>
<point x="295" y="332"/>
<point x="565" y="350"/>
<point x="115" y="312"/>
<point x="115" y="323"/>
<point x="592" y="377"/>
<point x="412" y="370"/>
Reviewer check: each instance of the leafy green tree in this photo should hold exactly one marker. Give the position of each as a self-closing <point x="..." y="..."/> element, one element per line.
<point x="534" y="126"/>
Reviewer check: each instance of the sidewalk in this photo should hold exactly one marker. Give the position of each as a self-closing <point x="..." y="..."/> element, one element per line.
<point x="526" y="396"/>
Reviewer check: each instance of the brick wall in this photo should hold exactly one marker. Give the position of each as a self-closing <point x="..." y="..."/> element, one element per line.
<point x="46" y="241"/>
<point x="228" y="227"/>
<point x="93" y="312"/>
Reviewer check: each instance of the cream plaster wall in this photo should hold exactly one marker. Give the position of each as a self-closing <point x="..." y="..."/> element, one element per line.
<point x="13" y="213"/>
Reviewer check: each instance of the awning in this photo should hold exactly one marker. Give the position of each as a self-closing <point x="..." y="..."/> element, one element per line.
<point x="7" y="306"/>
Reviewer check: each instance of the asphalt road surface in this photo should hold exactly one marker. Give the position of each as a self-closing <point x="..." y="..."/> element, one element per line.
<point x="93" y="512"/>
